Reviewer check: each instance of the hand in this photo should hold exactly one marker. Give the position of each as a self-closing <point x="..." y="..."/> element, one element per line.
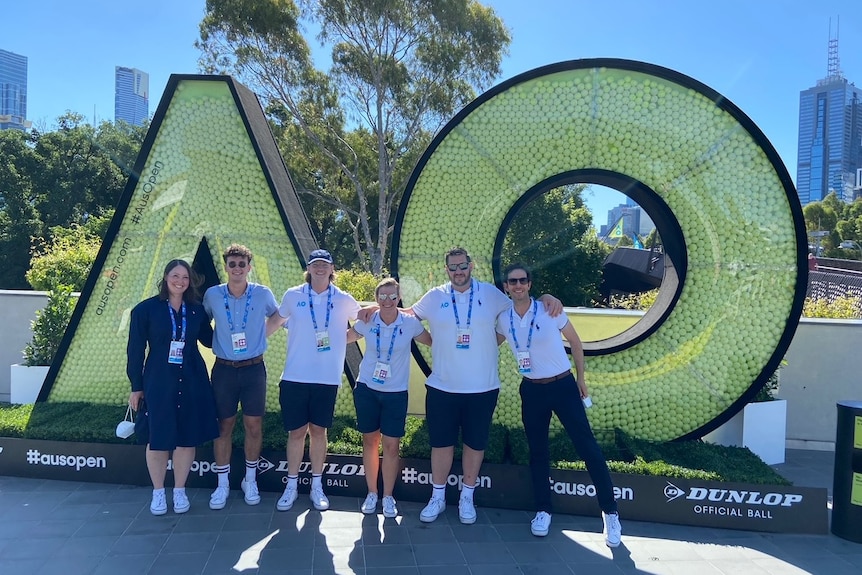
<point x="135" y="399"/>
<point x="582" y="388"/>
<point x="553" y="306"/>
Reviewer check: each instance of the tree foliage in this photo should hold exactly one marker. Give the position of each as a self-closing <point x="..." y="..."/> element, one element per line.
<point x="399" y="69"/>
<point x="562" y="249"/>
<point x="841" y="220"/>
<point x="69" y="257"/>
<point x="49" y="327"/>
<point x="54" y="180"/>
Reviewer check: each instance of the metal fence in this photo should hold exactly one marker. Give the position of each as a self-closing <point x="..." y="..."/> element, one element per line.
<point x="829" y="285"/>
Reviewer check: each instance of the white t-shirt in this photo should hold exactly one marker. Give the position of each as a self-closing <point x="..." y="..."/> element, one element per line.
<point x="398" y="334"/>
<point x="304" y="363"/>
<point x="463" y="370"/>
<point x="548" y="355"/>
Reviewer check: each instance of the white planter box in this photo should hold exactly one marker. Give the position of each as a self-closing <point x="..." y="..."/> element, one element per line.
<point x="761" y="427"/>
<point x="26" y="382"/>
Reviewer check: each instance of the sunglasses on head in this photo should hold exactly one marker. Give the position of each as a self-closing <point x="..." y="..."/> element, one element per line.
<point x="386" y="296"/>
<point x="455" y="267"/>
<point x="515" y="281"/>
<point x="232" y="265"/>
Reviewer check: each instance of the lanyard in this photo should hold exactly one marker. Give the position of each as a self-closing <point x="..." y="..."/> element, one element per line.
<point x="391" y="341"/>
<point x="174" y="322"/>
<point x="328" y="307"/>
<point x="455" y="307"/>
<point x="245" y="314"/>
<point x="512" y="326"/>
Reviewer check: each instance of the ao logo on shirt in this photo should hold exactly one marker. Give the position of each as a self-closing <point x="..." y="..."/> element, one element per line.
<point x="300" y="304"/>
<point x="445" y="304"/>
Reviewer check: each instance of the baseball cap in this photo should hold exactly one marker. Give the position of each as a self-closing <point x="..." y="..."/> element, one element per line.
<point x="319" y="255"/>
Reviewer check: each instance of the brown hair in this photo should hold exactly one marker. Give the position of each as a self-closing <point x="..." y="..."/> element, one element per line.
<point x="457" y="251"/>
<point x="237" y="250"/>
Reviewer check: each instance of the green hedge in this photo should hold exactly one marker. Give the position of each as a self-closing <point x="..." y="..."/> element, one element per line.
<point x="86" y="422"/>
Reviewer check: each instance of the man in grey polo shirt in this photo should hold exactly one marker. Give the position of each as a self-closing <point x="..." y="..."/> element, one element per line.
<point x="240" y="310"/>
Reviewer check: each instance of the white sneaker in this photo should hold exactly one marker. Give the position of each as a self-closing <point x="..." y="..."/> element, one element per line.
<point x="219" y="498"/>
<point x="466" y="511"/>
<point x="319" y="499"/>
<point x="390" y="508"/>
<point x="249" y="489"/>
<point x="181" y="502"/>
<point x="434" y="508"/>
<point x="287" y="499"/>
<point x="369" y="506"/>
<point x="541" y="524"/>
<point x="613" y="529"/>
<point x="158" y="506"/>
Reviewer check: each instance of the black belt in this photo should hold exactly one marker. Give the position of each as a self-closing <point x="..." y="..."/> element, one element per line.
<point x="241" y="363"/>
<point x="563" y="375"/>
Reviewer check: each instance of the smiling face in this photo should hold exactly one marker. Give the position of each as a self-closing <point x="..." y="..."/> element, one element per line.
<point x="517" y="285"/>
<point x="237" y="268"/>
<point x="177" y="280"/>
<point x="459" y="267"/>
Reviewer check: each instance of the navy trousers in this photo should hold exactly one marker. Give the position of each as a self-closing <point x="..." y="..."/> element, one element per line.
<point x="538" y="402"/>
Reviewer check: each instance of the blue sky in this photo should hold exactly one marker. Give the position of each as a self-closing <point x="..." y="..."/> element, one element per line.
<point x="759" y="54"/>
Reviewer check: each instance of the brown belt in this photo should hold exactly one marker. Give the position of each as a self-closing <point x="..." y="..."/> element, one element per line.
<point x="563" y="375"/>
<point x="242" y="363"/>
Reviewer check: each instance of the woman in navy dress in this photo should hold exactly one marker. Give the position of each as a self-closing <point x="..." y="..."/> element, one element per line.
<point x="167" y="372"/>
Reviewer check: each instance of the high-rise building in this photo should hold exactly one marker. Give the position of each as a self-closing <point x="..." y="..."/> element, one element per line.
<point x="13" y="91"/>
<point x="830" y="136"/>
<point x="131" y="95"/>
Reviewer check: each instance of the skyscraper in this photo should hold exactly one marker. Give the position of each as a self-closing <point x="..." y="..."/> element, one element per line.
<point x="131" y="95"/>
<point x="830" y="136"/>
<point x="13" y="91"/>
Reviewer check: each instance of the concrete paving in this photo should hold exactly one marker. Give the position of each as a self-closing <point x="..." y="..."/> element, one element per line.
<point x="71" y="528"/>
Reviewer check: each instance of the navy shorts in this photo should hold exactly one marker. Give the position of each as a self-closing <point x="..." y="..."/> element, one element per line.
<point x="303" y="403"/>
<point x="233" y="386"/>
<point x="446" y="413"/>
<point x="381" y="410"/>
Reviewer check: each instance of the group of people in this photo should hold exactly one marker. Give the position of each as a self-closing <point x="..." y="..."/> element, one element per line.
<point x="468" y="320"/>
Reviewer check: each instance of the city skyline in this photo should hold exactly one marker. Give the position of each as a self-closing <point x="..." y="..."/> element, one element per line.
<point x="13" y="91"/>
<point x="758" y="55"/>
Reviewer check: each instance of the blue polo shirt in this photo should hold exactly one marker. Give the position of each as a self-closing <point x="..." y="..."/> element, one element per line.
<point x="261" y="304"/>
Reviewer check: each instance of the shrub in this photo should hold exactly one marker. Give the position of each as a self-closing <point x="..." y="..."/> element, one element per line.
<point x="359" y="284"/>
<point x="638" y="301"/>
<point x="843" y="307"/>
<point x="49" y="327"/>
<point x="66" y="261"/>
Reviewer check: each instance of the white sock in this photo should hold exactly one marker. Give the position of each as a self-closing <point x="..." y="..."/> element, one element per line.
<point x="250" y="471"/>
<point x="467" y="492"/>
<point x="316" y="481"/>
<point x="439" y="491"/>
<point x="292" y="481"/>
<point x="223" y="473"/>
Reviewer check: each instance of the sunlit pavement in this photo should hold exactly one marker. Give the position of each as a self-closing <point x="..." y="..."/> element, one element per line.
<point x="72" y="528"/>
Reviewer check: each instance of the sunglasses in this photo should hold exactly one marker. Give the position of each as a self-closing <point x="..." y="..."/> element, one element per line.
<point x="386" y="296"/>
<point x="232" y="265"/>
<point x="516" y="281"/>
<point x="455" y="267"/>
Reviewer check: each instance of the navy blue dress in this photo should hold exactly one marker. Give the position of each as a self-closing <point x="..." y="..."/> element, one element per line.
<point x="180" y="402"/>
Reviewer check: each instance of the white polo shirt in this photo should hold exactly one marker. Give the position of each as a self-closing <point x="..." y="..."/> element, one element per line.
<point x="380" y="336"/>
<point x="456" y="370"/>
<point x="547" y="353"/>
<point x="304" y="363"/>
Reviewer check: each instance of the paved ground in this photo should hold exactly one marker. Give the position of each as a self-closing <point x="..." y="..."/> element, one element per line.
<point x="68" y="528"/>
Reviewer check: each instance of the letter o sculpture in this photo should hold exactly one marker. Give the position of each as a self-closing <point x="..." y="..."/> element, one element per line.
<point x="718" y="192"/>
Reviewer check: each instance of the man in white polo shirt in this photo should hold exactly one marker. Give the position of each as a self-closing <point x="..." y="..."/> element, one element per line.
<point x="461" y="392"/>
<point x="548" y="387"/>
<point x="316" y="315"/>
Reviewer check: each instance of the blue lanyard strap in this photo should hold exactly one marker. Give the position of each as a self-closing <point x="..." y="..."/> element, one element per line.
<point x="391" y="341"/>
<point x="174" y="322"/>
<point x="328" y="307"/>
<point x="455" y="307"/>
<point x="512" y="325"/>
<point x="245" y="314"/>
